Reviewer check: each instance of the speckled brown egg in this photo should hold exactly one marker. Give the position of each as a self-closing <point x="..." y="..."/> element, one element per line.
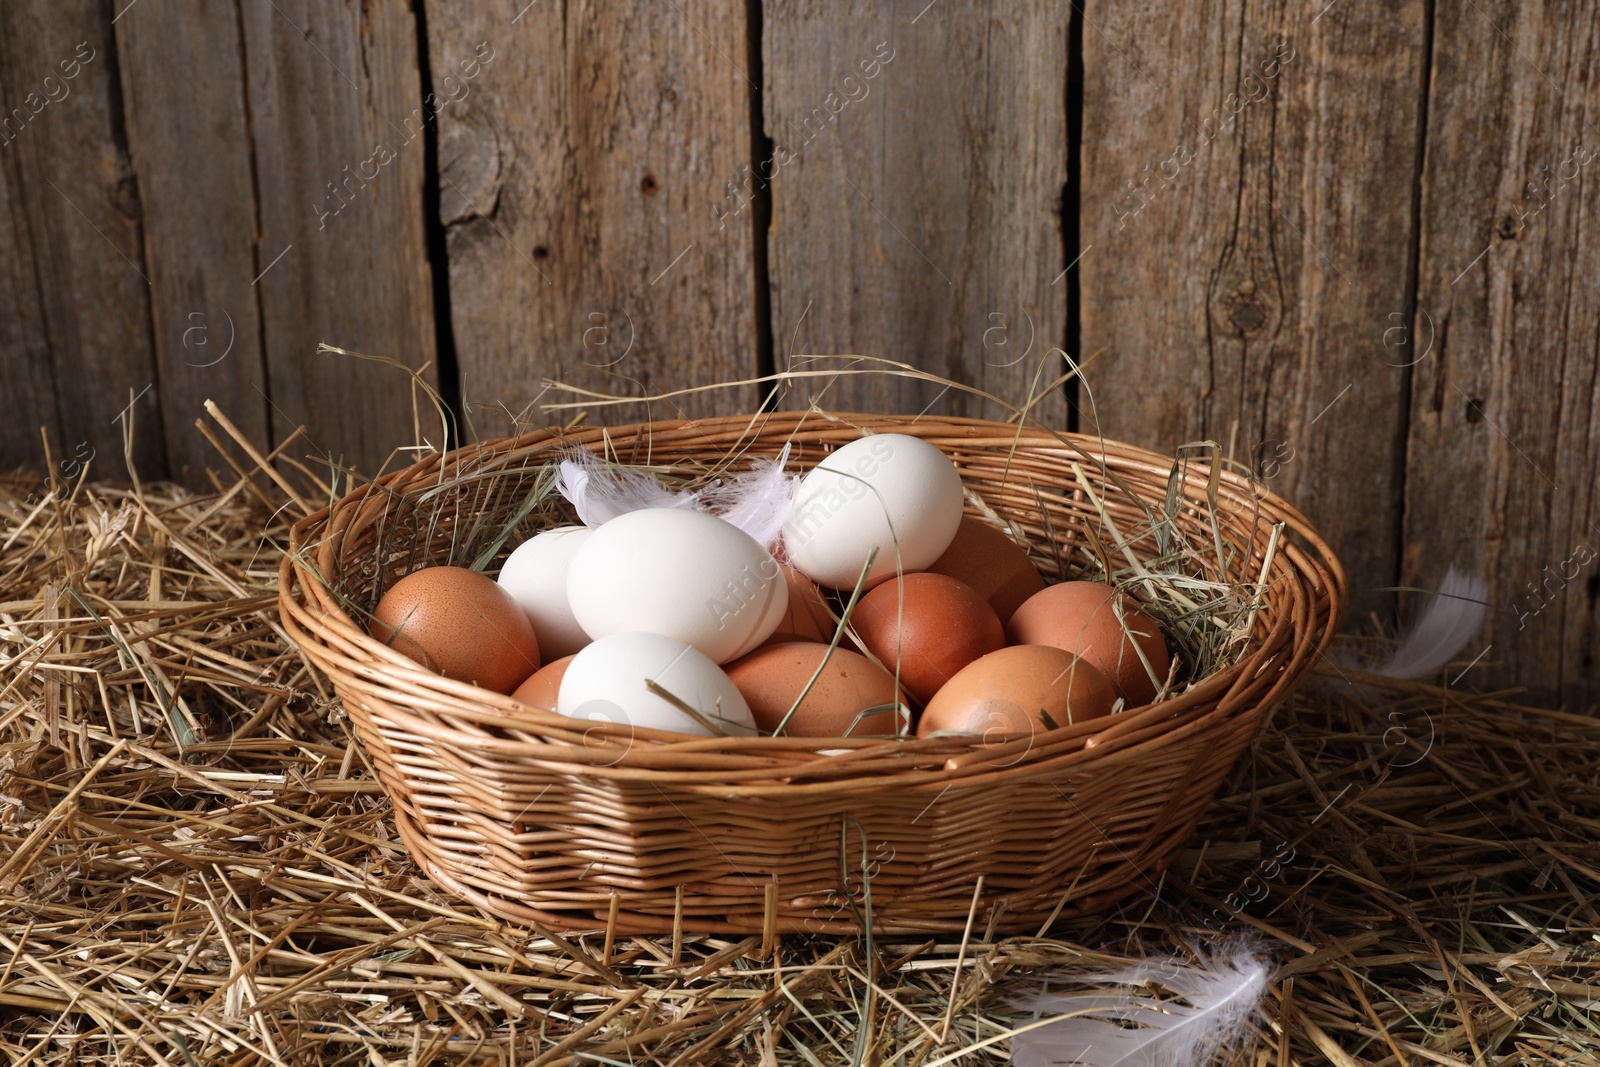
<point x="461" y="624"/>
<point x="772" y="678"/>
<point x="930" y="625"/>
<point x="1019" y="690"/>
<point x="1080" y="617"/>
<point x="997" y="568"/>
<point x="544" y="684"/>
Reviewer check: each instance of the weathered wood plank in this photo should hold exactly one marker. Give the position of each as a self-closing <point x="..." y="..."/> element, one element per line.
<point x="919" y="162"/>
<point x="26" y="379"/>
<point x="76" y="194"/>
<point x="191" y="151"/>
<point x="1247" y="226"/>
<point x="579" y="172"/>
<point x="335" y="108"/>
<point x="1505" y="417"/>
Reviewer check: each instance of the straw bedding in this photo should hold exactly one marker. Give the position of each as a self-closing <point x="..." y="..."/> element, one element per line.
<point x="197" y="866"/>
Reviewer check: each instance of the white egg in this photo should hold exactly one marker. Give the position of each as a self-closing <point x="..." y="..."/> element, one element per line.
<point x="536" y="577"/>
<point x="609" y="682"/>
<point x="889" y="491"/>
<point x="680" y="573"/>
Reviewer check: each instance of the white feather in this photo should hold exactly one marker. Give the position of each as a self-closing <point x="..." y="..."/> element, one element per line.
<point x="1441" y="631"/>
<point x="759" y="501"/>
<point x="600" y="491"/>
<point x="1140" y="1030"/>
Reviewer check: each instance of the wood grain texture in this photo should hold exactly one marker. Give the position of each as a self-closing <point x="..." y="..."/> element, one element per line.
<point x="580" y="170"/>
<point x="1505" y="418"/>
<point x="335" y="108"/>
<point x="191" y="151"/>
<point x="1248" y="226"/>
<point x="916" y="212"/>
<point x="27" y="380"/>
<point x="77" y="196"/>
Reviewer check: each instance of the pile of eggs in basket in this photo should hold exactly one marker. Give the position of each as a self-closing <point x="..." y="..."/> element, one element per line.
<point x="674" y="618"/>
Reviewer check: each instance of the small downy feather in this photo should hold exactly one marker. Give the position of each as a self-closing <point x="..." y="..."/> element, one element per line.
<point x="758" y="501"/>
<point x="1440" y="632"/>
<point x="1135" y="1029"/>
<point x="600" y="491"/>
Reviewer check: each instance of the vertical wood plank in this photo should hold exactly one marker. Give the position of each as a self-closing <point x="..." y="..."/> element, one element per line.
<point x="579" y="172"/>
<point x="919" y="161"/>
<point x="26" y="379"/>
<point x="77" y="196"/>
<point x="1247" y="226"/>
<point x="335" y="110"/>
<point x="1505" y="418"/>
<point x="191" y="151"/>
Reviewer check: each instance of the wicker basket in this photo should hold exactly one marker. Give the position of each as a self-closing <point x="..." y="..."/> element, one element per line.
<point x="547" y="820"/>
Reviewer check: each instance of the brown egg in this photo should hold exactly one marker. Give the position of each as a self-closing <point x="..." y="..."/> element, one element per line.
<point x="938" y="626"/>
<point x="997" y="568"/>
<point x="461" y="624"/>
<point x="1019" y="690"/>
<point x="773" y="677"/>
<point x="808" y="615"/>
<point x="544" y="684"/>
<point x="1080" y="617"/>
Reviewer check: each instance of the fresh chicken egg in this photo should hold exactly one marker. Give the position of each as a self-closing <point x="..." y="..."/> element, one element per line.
<point x="888" y="491"/>
<point x="996" y="567"/>
<point x="460" y="623"/>
<point x="543" y="685"/>
<point x="927" y="627"/>
<point x="1081" y="617"/>
<point x="807" y="616"/>
<point x="683" y="574"/>
<point x="645" y="679"/>
<point x="536" y="575"/>
<point x="1017" y="691"/>
<point x="849" y="685"/>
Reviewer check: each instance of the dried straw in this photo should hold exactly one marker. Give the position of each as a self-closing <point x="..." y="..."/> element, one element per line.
<point x="198" y="868"/>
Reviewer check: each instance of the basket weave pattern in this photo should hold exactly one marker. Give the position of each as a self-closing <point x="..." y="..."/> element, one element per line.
<point x="542" y="819"/>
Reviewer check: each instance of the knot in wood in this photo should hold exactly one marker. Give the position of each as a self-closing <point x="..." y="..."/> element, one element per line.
<point x="1248" y="315"/>
<point x="125" y="196"/>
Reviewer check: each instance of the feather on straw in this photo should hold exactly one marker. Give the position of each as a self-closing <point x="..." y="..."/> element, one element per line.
<point x="1131" y="1030"/>
<point x="1440" y="632"/>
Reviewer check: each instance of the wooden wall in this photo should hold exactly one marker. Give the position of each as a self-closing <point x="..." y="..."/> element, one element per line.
<point x="1353" y="241"/>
